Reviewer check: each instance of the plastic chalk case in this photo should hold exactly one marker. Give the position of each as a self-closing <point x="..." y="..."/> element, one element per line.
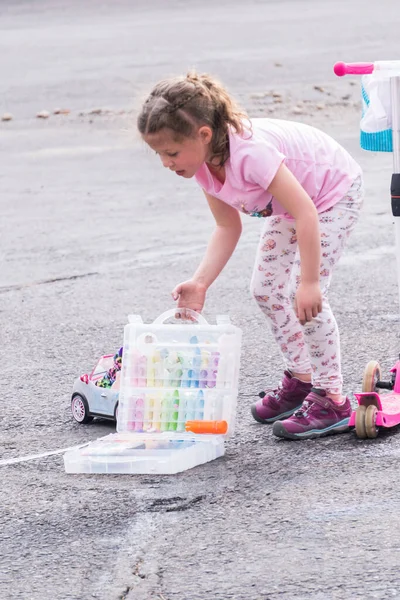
<point x="177" y="400"/>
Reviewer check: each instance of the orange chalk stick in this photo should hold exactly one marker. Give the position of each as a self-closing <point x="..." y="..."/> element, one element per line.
<point x="206" y="426"/>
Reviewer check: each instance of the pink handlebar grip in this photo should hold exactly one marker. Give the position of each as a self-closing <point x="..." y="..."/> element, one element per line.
<point x="341" y="68"/>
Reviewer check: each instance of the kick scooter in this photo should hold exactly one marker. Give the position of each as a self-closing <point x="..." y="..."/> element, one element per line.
<point x="374" y="409"/>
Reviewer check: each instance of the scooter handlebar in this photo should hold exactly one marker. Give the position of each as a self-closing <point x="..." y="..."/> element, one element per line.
<point x="341" y="68"/>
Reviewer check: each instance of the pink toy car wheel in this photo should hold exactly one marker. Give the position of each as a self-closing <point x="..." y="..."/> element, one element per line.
<point x="80" y="409"/>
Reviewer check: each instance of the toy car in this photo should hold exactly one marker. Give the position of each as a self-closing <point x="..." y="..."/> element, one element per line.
<point x="96" y="394"/>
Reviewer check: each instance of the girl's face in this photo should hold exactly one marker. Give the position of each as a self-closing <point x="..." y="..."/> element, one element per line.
<point x="183" y="157"/>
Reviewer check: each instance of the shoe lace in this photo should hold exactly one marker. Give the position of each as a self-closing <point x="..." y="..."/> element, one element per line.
<point x="304" y="409"/>
<point x="312" y="399"/>
<point x="275" y="393"/>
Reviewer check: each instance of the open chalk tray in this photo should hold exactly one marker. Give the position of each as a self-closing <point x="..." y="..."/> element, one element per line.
<point x="177" y="400"/>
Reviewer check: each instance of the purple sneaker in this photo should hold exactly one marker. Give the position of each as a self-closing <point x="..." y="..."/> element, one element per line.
<point x="317" y="417"/>
<point x="282" y="402"/>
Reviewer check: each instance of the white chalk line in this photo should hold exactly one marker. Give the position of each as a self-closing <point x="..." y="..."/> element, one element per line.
<point x="13" y="461"/>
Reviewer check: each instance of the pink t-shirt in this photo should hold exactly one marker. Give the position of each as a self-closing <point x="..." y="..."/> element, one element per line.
<point x="321" y="165"/>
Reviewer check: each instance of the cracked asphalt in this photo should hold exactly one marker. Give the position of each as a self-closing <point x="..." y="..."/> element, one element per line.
<point x="92" y="229"/>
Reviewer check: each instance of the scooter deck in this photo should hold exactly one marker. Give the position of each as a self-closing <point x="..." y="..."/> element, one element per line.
<point x="388" y="406"/>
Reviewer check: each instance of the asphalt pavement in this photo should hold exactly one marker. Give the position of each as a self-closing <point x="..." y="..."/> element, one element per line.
<point x="92" y="229"/>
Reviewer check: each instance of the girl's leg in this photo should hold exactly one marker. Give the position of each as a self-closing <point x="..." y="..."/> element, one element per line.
<point x="270" y="287"/>
<point x="321" y="334"/>
<point x="324" y="411"/>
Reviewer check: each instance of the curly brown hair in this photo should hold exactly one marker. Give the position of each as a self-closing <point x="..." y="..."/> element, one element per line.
<point x="182" y="104"/>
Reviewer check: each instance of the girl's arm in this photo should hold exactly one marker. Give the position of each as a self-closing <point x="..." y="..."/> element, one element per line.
<point x="223" y="241"/>
<point x="295" y="200"/>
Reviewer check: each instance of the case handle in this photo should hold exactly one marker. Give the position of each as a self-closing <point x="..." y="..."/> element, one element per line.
<point x="194" y="316"/>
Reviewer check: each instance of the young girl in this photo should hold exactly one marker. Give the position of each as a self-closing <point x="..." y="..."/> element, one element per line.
<point x="308" y="191"/>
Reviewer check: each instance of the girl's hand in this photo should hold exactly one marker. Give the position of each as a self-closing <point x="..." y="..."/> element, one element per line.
<point x="190" y="294"/>
<point x="308" y="301"/>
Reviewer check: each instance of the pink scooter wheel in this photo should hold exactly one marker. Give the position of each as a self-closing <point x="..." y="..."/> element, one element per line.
<point x="370" y="421"/>
<point x="372" y="374"/>
<point x="360" y="422"/>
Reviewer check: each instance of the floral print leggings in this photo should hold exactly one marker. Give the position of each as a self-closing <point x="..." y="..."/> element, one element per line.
<point x="315" y="347"/>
